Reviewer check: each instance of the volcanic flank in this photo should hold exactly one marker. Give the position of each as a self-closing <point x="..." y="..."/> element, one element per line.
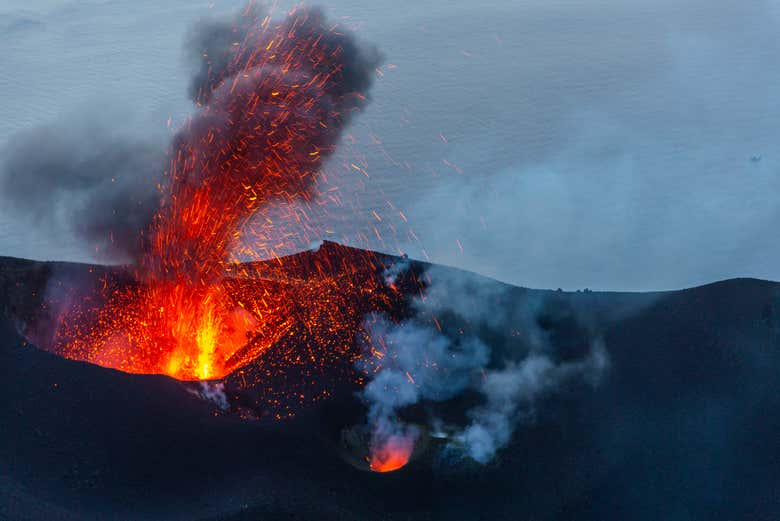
<point x="690" y="399"/>
<point x="313" y="300"/>
<point x="189" y="385"/>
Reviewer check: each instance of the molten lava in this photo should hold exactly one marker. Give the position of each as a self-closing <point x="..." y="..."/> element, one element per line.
<point x="272" y="106"/>
<point x="392" y="453"/>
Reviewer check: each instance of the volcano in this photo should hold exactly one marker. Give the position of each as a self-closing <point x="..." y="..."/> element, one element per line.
<point x="685" y="423"/>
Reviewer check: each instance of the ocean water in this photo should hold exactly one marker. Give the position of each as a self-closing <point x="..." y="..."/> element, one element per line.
<point x="626" y="145"/>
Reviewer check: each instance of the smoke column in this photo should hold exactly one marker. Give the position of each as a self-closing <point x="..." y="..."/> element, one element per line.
<point x="412" y="362"/>
<point x="272" y="98"/>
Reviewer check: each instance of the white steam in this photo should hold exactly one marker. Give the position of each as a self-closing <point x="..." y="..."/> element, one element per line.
<point x="413" y="362"/>
<point x="510" y="394"/>
<point x="213" y="392"/>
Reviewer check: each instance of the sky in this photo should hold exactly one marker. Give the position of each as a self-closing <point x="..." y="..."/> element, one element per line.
<point x="619" y="145"/>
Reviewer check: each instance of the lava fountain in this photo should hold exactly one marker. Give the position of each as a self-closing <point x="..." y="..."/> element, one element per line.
<point x="273" y="98"/>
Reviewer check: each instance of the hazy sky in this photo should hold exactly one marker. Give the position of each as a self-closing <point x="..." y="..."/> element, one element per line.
<point x="603" y="143"/>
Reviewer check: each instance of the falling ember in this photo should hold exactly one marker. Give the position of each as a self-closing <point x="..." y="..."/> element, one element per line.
<point x="272" y="105"/>
<point x="391" y="453"/>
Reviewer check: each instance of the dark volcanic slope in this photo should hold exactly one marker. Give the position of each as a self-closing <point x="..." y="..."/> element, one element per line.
<point x="685" y="425"/>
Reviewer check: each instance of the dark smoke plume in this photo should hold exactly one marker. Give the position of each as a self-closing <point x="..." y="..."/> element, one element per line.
<point x="107" y="187"/>
<point x="212" y="47"/>
<point x="97" y="182"/>
<point x="274" y="98"/>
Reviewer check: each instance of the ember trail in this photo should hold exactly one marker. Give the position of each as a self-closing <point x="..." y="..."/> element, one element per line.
<point x="273" y="98"/>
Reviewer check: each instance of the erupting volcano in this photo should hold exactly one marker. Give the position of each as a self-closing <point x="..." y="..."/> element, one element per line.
<point x="273" y="98"/>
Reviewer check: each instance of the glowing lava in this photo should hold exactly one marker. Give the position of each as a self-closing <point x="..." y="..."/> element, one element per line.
<point x="272" y="105"/>
<point x="392" y="453"/>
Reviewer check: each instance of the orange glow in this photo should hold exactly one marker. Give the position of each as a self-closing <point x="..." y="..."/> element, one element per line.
<point x="265" y="125"/>
<point x="392" y="453"/>
<point x="206" y="331"/>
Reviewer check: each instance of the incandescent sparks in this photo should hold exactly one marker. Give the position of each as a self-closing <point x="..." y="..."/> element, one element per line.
<point x="273" y="98"/>
<point x="272" y="105"/>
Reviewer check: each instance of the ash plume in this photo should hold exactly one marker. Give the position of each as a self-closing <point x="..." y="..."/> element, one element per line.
<point x="412" y="363"/>
<point x="119" y="194"/>
<point x="219" y="50"/>
<point x="274" y="98"/>
<point x="95" y="180"/>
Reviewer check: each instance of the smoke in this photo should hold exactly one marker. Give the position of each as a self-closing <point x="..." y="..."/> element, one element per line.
<point x="269" y="95"/>
<point x="223" y="48"/>
<point x="213" y="392"/>
<point x="275" y="97"/>
<point x="414" y="363"/>
<point x="90" y="179"/>
<point x="510" y="396"/>
<point x="618" y="157"/>
<point x="396" y="270"/>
